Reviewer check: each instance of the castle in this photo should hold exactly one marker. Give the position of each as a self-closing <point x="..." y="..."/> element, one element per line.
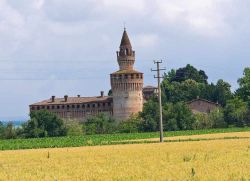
<point x="127" y="93"/>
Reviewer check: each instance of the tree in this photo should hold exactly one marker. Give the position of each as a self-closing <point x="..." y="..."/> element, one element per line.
<point x="244" y="83"/>
<point x="132" y="125"/>
<point x="150" y="115"/>
<point x="180" y="91"/>
<point x="74" y="128"/>
<point x="217" y="118"/>
<point x="177" y="117"/>
<point x="44" y="123"/>
<point x="1" y="130"/>
<point x="189" y="72"/>
<point x="100" y="124"/>
<point x="9" y="131"/>
<point x="222" y="92"/>
<point x="236" y="111"/>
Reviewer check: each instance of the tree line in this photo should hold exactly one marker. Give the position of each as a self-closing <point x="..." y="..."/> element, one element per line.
<point x="178" y="87"/>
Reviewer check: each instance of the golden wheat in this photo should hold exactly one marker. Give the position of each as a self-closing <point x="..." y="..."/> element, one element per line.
<point x="201" y="160"/>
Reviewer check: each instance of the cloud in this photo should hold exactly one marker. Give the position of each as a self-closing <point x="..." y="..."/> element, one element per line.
<point x="203" y="17"/>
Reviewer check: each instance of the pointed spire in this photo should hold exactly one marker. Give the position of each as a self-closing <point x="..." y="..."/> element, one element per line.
<point x="125" y="39"/>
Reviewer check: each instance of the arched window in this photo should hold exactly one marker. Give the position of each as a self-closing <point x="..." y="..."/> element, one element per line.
<point x="126" y="51"/>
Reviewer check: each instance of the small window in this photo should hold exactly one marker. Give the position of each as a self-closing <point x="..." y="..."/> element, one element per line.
<point x="93" y="105"/>
<point x="103" y="104"/>
<point x="109" y="104"/>
<point x="132" y="76"/>
<point x="88" y="105"/>
<point x="98" y="104"/>
<point x="63" y="106"/>
<point x="78" y="106"/>
<point x="73" y="106"/>
<point x="43" y="107"/>
<point x="68" y="106"/>
<point x="53" y="107"/>
<point x="32" y="108"/>
<point x="58" y="107"/>
<point x="48" y="107"/>
<point x="126" y="76"/>
<point x="83" y="106"/>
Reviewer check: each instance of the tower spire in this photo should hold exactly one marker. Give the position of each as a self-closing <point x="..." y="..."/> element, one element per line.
<point x="125" y="42"/>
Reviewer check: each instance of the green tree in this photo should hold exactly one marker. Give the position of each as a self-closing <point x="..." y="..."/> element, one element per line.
<point x="100" y="124"/>
<point x="217" y="118"/>
<point x="236" y="111"/>
<point x="74" y="128"/>
<point x="244" y="83"/>
<point x="150" y="115"/>
<point x="44" y="123"/>
<point x="177" y="117"/>
<point x="2" y="128"/>
<point x="190" y="72"/>
<point x="180" y="91"/>
<point x="9" y="131"/>
<point x="132" y="125"/>
<point x="222" y="92"/>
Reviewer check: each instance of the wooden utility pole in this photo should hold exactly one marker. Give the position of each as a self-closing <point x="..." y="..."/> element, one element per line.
<point x="159" y="95"/>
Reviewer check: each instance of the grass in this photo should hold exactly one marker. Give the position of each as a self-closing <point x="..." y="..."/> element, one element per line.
<point x="93" y="140"/>
<point x="225" y="159"/>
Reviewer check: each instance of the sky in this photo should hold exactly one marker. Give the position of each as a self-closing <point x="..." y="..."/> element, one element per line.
<point x="62" y="47"/>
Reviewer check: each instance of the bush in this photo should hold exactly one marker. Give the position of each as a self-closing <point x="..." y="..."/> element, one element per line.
<point x="9" y="131"/>
<point x="236" y="112"/>
<point x="43" y="124"/>
<point x="1" y="129"/>
<point x="74" y="128"/>
<point x="132" y="125"/>
<point x="100" y="124"/>
<point x="177" y="117"/>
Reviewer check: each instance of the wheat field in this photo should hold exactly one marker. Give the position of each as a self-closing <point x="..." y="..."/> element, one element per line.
<point x="197" y="160"/>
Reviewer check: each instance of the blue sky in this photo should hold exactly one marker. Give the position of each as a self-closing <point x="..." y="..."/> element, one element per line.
<point x="58" y="47"/>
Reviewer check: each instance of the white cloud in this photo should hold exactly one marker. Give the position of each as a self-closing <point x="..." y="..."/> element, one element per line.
<point x="204" y="17"/>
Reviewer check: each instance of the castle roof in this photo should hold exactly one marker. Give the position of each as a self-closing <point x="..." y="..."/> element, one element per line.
<point x="74" y="100"/>
<point x="125" y="39"/>
<point x="129" y="71"/>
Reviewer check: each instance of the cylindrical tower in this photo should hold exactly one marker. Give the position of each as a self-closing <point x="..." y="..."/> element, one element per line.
<point x="127" y="83"/>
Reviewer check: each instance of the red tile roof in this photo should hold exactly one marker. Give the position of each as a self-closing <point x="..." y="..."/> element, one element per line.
<point x="74" y="100"/>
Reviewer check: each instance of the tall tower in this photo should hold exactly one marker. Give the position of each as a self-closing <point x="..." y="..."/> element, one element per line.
<point x="126" y="83"/>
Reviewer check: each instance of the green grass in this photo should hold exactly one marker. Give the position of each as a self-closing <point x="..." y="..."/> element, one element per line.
<point x="92" y="140"/>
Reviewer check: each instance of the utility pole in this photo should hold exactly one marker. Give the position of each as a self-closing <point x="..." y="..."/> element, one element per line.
<point x="159" y="95"/>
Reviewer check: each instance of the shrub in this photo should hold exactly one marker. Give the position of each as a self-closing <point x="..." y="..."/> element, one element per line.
<point x="43" y="124"/>
<point x="132" y="125"/>
<point x="100" y="124"/>
<point x="74" y="128"/>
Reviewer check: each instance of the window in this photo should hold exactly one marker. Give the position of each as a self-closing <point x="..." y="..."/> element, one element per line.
<point x="98" y="104"/>
<point x="73" y="106"/>
<point x="78" y="106"/>
<point x="132" y="76"/>
<point x="126" y="76"/>
<point x="109" y="104"/>
<point x="93" y="105"/>
<point x="43" y="107"/>
<point x="58" y="107"/>
<point x="103" y="104"/>
<point x="63" y="106"/>
<point x="88" y="105"/>
<point x="83" y="106"/>
<point x="67" y="106"/>
<point x="53" y="107"/>
<point x="32" y="108"/>
<point x="48" y="107"/>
